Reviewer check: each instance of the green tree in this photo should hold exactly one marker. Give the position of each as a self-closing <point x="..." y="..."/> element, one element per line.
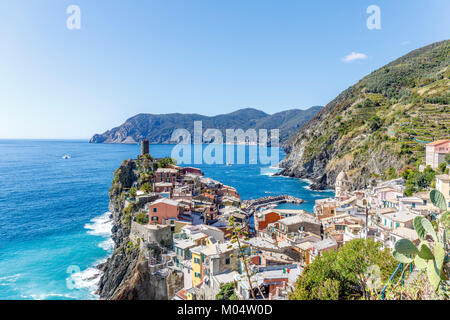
<point x="142" y="218"/>
<point x="418" y="181"/>
<point x="442" y="167"/>
<point x="146" y="187"/>
<point x="132" y="192"/>
<point x="227" y="292"/>
<point x="165" y="162"/>
<point x="343" y="274"/>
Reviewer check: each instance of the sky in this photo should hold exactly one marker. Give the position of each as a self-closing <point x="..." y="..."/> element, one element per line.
<point x="191" y="56"/>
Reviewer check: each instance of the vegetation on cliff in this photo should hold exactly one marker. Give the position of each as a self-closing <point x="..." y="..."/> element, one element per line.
<point x="158" y="128"/>
<point x="380" y="122"/>
<point x="126" y="274"/>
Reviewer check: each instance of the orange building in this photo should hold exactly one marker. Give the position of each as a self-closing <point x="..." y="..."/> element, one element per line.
<point x="163" y="210"/>
<point x="262" y="219"/>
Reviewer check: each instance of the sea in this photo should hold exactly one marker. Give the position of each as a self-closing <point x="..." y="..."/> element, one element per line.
<point x="54" y="221"/>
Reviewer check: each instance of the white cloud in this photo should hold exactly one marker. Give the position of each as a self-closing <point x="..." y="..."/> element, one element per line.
<point x="354" y="56"/>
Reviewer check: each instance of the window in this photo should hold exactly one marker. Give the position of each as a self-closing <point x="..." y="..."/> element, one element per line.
<point x="197" y="275"/>
<point x="227" y="261"/>
<point x="155" y="209"/>
<point x="154" y="218"/>
<point x="196" y="260"/>
<point x="172" y="221"/>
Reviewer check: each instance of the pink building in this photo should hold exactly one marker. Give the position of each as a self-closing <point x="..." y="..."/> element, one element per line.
<point x="388" y="197"/>
<point x="166" y="175"/>
<point x="436" y="152"/>
<point x="162" y="210"/>
<point x="192" y="170"/>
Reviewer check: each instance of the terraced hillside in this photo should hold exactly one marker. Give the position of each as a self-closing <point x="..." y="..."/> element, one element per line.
<point x="382" y="121"/>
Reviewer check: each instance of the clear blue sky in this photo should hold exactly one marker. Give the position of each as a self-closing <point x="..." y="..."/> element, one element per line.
<point x="191" y="56"/>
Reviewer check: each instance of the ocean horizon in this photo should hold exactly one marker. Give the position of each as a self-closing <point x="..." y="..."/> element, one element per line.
<point x="54" y="221"/>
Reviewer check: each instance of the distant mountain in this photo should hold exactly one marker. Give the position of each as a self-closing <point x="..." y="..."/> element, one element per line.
<point x="381" y="123"/>
<point x="158" y="128"/>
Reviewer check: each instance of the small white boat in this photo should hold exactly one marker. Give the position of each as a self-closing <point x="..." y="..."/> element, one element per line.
<point x="229" y="164"/>
<point x="66" y="156"/>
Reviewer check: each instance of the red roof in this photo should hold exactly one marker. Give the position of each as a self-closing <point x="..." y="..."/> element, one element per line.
<point x="182" y="294"/>
<point x="438" y="142"/>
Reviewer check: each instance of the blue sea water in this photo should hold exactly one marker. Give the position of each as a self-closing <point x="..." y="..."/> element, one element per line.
<point x="54" y="220"/>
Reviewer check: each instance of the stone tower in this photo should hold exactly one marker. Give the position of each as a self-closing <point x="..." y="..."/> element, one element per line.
<point x="144" y="147"/>
<point x="342" y="184"/>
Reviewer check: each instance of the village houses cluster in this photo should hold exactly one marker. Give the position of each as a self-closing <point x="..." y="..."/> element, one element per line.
<point x="188" y="214"/>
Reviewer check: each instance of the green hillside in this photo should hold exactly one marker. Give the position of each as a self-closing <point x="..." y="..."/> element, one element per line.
<point x="382" y="121"/>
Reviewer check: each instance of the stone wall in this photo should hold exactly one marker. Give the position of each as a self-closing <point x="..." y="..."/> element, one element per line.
<point x="151" y="233"/>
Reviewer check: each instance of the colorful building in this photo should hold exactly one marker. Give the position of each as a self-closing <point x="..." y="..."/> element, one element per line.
<point x="166" y="175"/>
<point x="436" y="152"/>
<point x="163" y="211"/>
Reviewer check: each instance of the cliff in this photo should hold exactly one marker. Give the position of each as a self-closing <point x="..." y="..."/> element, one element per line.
<point x="158" y="128"/>
<point x="380" y="123"/>
<point x="126" y="274"/>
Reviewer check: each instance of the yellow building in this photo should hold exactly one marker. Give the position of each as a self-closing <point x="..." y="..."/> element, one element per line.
<point x="197" y="274"/>
<point x="443" y="185"/>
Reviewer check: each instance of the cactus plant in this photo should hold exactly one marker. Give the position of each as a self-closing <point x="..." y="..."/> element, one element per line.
<point x="438" y="199"/>
<point x="429" y="255"/>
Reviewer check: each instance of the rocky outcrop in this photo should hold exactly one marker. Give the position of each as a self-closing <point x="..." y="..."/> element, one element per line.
<point x="379" y="123"/>
<point x="126" y="274"/>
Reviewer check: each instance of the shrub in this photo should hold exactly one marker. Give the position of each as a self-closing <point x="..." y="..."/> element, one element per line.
<point x="142" y="218"/>
<point x="227" y="292"/>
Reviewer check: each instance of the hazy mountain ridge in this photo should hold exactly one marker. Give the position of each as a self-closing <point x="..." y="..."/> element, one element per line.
<point x="158" y="128"/>
<point x="377" y="123"/>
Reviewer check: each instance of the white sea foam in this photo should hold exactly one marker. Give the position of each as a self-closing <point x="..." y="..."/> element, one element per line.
<point x="269" y="171"/>
<point x="8" y="280"/>
<point x="100" y="226"/>
<point x="44" y="296"/>
<point x="87" y="279"/>
<point x="107" y="245"/>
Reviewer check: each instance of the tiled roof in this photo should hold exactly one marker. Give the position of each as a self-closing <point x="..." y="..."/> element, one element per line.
<point x="437" y="142"/>
<point x="166" y="201"/>
<point x="298" y="219"/>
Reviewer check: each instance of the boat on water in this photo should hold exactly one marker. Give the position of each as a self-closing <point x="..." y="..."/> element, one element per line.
<point x="66" y="156"/>
<point x="229" y="164"/>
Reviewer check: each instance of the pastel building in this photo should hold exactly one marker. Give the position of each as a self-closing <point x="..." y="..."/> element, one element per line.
<point x="163" y="211"/>
<point x="436" y="152"/>
<point x="443" y="185"/>
<point x="292" y="225"/>
<point x="342" y="185"/>
<point x="398" y="219"/>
